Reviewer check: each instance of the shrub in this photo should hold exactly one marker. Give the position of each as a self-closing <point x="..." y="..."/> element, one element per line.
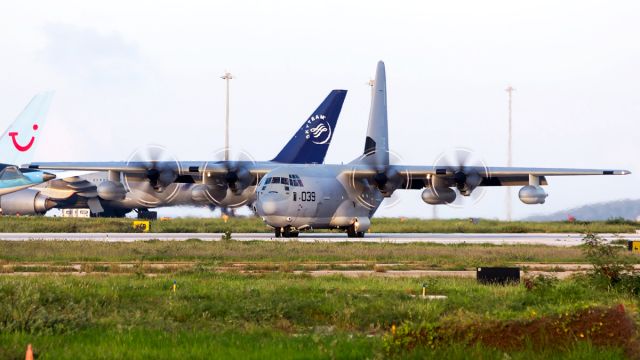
<point x="607" y="263"/>
<point x="541" y="283"/>
<point x="620" y="221"/>
<point x="609" y="267"/>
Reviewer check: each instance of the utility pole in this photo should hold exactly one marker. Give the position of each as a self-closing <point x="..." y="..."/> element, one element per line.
<point x="226" y="77"/>
<point x="510" y="89"/>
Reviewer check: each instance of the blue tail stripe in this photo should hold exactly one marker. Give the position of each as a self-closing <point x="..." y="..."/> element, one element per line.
<point x="309" y="145"/>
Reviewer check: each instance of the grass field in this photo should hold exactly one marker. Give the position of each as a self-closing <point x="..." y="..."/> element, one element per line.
<point x="245" y="225"/>
<point x="278" y="316"/>
<point x="261" y="314"/>
<point x="418" y="255"/>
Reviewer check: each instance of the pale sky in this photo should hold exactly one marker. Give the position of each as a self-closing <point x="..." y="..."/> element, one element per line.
<point x="130" y="73"/>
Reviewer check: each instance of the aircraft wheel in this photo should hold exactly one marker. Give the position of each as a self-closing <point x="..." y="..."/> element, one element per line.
<point x="360" y="234"/>
<point x="278" y="232"/>
<point x="351" y="231"/>
<point x="287" y="232"/>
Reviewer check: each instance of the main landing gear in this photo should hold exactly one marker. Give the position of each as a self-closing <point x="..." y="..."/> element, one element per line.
<point x="353" y="233"/>
<point x="286" y="232"/>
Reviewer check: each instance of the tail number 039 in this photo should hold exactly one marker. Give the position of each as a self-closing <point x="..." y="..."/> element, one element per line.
<point x="305" y="196"/>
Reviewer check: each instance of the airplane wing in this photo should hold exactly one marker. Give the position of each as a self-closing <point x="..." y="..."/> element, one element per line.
<point x="417" y="177"/>
<point x="129" y="167"/>
<point x="189" y="168"/>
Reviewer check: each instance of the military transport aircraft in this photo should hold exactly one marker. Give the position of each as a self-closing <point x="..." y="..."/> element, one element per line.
<point x="18" y="144"/>
<point x="293" y="198"/>
<point x="153" y="178"/>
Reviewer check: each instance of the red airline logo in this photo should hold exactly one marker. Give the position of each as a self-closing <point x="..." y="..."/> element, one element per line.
<point x="19" y="147"/>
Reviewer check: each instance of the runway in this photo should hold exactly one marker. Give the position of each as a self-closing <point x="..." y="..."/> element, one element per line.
<point x="573" y="239"/>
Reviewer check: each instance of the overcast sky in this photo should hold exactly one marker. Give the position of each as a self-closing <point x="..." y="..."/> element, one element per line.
<point x="130" y="73"/>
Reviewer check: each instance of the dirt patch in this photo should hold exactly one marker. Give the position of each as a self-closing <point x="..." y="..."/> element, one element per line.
<point x="391" y="273"/>
<point x="561" y="266"/>
<point x="611" y="327"/>
<point x="315" y="269"/>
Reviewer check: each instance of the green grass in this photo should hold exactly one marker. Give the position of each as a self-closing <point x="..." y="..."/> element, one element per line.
<point x="194" y="344"/>
<point x="420" y="255"/>
<point x="243" y="225"/>
<point x="153" y="344"/>
<point x="113" y="313"/>
<point x="215" y="315"/>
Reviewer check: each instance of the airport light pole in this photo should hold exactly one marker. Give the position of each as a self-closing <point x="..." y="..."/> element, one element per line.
<point x="510" y="89"/>
<point x="226" y="77"/>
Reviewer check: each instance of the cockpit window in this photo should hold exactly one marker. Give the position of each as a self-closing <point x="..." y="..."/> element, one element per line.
<point x="292" y="180"/>
<point x="10" y="173"/>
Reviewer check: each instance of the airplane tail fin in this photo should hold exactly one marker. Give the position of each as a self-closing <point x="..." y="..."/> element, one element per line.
<point x="376" y="146"/>
<point x="18" y="143"/>
<point x="310" y="143"/>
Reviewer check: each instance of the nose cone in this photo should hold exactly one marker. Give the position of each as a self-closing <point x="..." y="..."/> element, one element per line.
<point x="269" y="207"/>
<point x="48" y="176"/>
<point x="270" y="204"/>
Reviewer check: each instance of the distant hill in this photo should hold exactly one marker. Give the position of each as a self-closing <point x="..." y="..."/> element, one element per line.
<point x="627" y="209"/>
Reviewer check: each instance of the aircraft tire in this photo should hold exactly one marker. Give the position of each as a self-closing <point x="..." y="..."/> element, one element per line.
<point x="351" y="231"/>
<point x="287" y="232"/>
<point x="278" y="232"/>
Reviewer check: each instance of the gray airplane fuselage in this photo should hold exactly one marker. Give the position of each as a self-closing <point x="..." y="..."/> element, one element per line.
<point x="314" y="197"/>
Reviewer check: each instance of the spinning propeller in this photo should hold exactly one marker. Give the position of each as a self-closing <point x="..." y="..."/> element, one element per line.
<point x="468" y="171"/>
<point x="224" y="182"/>
<point x="155" y="185"/>
<point x="383" y="184"/>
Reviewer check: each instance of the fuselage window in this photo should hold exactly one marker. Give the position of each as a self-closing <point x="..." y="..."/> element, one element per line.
<point x="285" y="181"/>
<point x="275" y="180"/>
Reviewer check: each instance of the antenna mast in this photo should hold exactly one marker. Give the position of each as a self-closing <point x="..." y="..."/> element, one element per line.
<point x="510" y="89"/>
<point x="226" y="77"/>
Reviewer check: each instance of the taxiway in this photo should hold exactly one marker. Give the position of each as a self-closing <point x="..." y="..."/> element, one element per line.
<point x="558" y="239"/>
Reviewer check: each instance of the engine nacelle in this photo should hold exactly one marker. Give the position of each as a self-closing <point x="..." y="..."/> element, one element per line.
<point x="438" y="196"/>
<point x="199" y="193"/>
<point x="25" y="202"/>
<point x="532" y="195"/>
<point x="112" y="190"/>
